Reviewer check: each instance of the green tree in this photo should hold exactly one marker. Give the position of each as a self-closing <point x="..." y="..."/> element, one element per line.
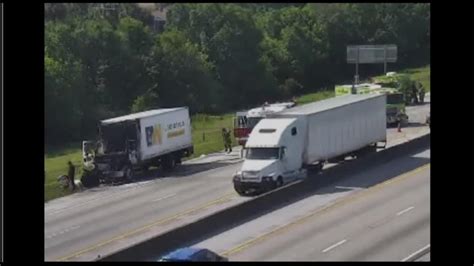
<point x="228" y="34"/>
<point x="181" y="74"/>
<point x="63" y="112"/>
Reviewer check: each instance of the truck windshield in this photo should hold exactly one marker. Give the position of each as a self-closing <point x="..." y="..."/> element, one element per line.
<point x="262" y="153"/>
<point x="394" y="98"/>
<point x="240" y="121"/>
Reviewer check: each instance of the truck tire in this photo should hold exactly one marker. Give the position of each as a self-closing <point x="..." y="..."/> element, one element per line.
<point x="145" y="168"/>
<point x="366" y="150"/>
<point x="279" y="182"/>
<point x="320" y="166"/>
<point x="169" y="163"/>
<point x="129" y="175"/>
<point x="240" y="192"/>
<point x="90" y="180"/>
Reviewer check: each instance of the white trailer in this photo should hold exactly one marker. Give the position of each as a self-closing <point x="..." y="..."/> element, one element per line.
<point x="137" y="141"/>
<point x="281" y="147"/>
<point x="340" y="125"/>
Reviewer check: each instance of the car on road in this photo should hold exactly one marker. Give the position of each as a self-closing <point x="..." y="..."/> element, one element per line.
<point x="192" y="254"/>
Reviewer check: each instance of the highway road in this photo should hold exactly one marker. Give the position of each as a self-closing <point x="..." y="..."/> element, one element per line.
<point x="81" y="231"/>
<point x="380" y="215"/>
<point x="98" y="221"/>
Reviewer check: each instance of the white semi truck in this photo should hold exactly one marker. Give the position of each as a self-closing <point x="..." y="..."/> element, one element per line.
<point x="128" y="143"/>
<point x="282" y="147"/>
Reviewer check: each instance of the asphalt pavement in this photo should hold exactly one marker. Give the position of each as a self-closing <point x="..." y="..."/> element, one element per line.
<point x="379" y="215"/>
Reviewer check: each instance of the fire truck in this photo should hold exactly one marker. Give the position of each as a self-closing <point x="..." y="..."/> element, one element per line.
<point x="245" y="121"/>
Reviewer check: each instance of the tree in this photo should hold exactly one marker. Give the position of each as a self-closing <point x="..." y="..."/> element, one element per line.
<point x="181" y="74"/>
<point x="63" y="112"/>
<point x="228" y="34"/>
<point x="145" y="102"/>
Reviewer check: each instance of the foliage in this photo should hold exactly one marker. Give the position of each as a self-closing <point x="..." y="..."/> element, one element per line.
<point x="211" y="57"/>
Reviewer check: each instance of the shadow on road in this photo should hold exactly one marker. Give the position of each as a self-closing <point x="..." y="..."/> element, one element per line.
<point x="415" y="124"/>
<point x="181" y="171"/>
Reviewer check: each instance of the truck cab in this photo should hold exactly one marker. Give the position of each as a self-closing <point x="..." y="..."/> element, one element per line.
<point x="245" y="121"/>
<point x="115" y="153"/>
<point x="273" y="156"/>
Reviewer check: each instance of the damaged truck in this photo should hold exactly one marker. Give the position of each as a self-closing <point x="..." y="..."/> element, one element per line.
<point x="135" y="142"/>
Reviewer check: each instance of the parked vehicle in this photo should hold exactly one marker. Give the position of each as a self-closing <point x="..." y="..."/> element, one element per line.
<point x="282" y="147"/>
<point x="135" y="142"/>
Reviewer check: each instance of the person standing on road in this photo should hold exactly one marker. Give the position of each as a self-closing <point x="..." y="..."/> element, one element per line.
<point x="71" y="173"/>
<point x="421" y="92"/>
<point x="227" y="140"/>
<point x="414" y="93"/>
<point x="399" y="121"/>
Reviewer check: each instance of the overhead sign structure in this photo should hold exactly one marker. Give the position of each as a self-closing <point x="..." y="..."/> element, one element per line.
<point x="371" y="54"/>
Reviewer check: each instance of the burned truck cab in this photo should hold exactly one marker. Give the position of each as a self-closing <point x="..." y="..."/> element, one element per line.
<point x="114" y="155"/>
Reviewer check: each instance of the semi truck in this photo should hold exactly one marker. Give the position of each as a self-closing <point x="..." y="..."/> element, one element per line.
<point x="284" y="146"/>
<point x="126" y="144"/>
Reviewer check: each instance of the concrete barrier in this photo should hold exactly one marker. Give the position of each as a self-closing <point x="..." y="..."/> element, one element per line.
<point x="224" y="220"/>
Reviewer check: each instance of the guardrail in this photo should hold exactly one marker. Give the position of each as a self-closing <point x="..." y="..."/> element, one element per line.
<point x="229" y="218"/>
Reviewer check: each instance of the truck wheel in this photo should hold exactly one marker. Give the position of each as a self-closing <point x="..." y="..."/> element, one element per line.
<point x="373" y="148"/>
<point x="90" y="180"/>
<point x="239" y="191"/>
<point x="128" y="173"/>
<point x="145" y="168"/>
<point x="279" y="182"/>
<point x="320" y="166"/>
<point x="169" y="163"/>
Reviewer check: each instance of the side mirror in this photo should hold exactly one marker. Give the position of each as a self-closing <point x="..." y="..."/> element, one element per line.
<point x="283" y="154"/>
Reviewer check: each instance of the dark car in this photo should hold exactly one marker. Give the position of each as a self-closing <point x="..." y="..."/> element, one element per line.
<point x="193" y="254"/>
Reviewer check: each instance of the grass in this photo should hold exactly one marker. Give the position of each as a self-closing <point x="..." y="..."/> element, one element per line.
<point x="56" y="166"/>
<point x="207" y="133"/>
<point x="421" y="74"/>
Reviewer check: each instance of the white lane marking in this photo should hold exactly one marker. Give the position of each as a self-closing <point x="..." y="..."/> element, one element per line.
<point x="405" y="210"/>
<point x="416" y="253"/>
<point x="165" y="197"/>
<point x="63" y="231"/>
<point x="335" y="245"/>
<point x="350" y="188"/>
